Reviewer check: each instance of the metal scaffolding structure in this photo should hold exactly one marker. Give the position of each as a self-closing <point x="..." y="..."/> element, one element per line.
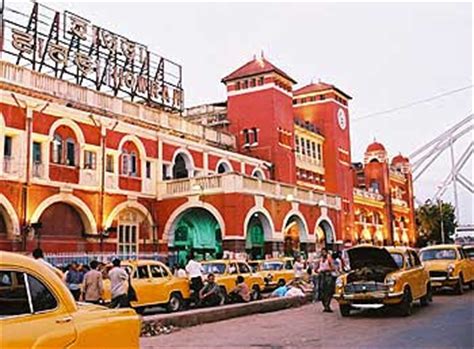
<point x="425" y="156"/>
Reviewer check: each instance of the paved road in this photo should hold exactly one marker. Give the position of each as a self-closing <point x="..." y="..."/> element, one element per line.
<point x="446" y="323"/>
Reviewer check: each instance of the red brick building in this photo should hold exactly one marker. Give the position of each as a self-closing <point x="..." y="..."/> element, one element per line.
<point x="269" y="171"/>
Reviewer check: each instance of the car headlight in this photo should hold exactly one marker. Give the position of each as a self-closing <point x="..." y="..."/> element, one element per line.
<point x="450" y="268"/>
<point x="390" y="281"/>
<point x="339" y="282"/>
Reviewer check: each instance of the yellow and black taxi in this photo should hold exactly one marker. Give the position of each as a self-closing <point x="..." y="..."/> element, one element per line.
<point x="226" y="272"/>
<point x="448" y="266"/>
<point x="154" y="285"/>
<point x="382" y="276"/>
<point x="274" y="271"/>
<point x="38" y="311"/>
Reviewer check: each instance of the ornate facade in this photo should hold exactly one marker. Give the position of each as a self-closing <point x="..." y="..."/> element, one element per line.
<point x="268" y="171"/>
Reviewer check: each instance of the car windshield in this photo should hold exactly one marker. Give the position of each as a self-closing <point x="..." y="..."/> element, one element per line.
<point x="254" y="266"/>
<point x="440" y="253"/>
<point x="470" y="252"/>
<point x="398" y="258"/>
<point x="272" y="266"/>
<point x="214" y="268"/>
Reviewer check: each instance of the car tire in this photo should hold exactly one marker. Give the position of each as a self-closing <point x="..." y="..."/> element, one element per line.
<point x="256" y="294"/>
<point x="427" y="298"/>
<point x="345" y="310"/>
<point x="175" y="303"/>
<point x="459" y="288"/>
<point x="406" y="306"/>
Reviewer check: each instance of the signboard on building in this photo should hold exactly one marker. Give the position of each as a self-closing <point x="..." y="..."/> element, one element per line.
<point x="70" y="47"/>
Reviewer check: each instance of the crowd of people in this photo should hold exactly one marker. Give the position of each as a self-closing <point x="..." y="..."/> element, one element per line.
<point x="85" y="282"/>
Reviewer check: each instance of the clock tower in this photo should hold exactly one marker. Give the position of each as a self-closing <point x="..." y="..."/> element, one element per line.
<point x="326" y="106"/>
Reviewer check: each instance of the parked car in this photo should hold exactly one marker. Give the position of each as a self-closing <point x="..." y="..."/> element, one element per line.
<point x="37" y="310"/>
<point x="154" y="285"/>
<point x="469" y="251"/>
<point x="383" y="276"/>
<point x="448" y="266"/>
<point x="226" y="272"/>
<point x="274" y="271"/>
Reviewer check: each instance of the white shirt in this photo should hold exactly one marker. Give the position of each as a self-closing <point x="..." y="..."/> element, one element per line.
<point x="298" y="268"/>
<point x="180" y="273"/>
<point x="194" y="269"/>
<point x="118" y="281"/>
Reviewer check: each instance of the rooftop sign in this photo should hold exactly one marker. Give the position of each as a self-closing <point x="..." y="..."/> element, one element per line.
<point x="72" y="48"/>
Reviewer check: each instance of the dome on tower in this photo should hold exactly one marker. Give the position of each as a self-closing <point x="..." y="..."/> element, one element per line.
<point x="375" y="146"/>
<point x="400" y="159"/>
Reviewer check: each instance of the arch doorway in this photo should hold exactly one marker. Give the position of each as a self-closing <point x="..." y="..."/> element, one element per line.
<point x="325" y="231"/>
<point x="293" y="231"/>
<point x="257" y="227"/>
<point x="196" y="230"/>
<point x="61" y="222"/>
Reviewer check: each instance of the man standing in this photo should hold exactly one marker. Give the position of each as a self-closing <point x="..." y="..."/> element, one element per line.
<point x="93" y="286"/>
<point x="194" y="270"/>
<point x="211" y="294"/>
<point x="326" y="280"/>
<point x="74" y="279"/>
<point x="118" y="286"/>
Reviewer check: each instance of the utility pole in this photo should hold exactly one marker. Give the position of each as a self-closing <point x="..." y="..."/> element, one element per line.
<point x="454" y="177"/>
<point x="440" y="204"/>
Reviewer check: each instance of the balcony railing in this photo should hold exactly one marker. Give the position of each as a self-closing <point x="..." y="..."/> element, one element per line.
<point x="99" y="101"/>
<point x="368" y="194"/>
<point x="8" y="165"/>
<point x="238" y="183"/>
<point x="309" y="163"/>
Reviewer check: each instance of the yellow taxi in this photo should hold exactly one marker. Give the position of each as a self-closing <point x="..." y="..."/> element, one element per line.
<point x="38" y="311"/>
<point x="274" y="271"/>
<point x="382" y="276"/>
<point x="226" y="272"/>
<point x="154" y="285"/>
<point x="448" y="266"/>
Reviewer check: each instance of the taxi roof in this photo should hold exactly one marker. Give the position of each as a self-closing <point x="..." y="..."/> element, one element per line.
<point x="435" y="247"/>
<point x="401" y="249"/>
<point x="225" y="261"/>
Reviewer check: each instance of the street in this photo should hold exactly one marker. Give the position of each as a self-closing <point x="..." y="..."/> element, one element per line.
<point x="446" y="323"/>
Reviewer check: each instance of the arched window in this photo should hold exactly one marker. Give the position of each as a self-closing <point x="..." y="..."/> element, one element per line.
<point x="125" y="163"/>
<point x="223" y="167"/>
<point x="57" y="149"/>
<point x="70" y="159"/>
<point x="258" y="174"/>
<point x="180" y="169"/>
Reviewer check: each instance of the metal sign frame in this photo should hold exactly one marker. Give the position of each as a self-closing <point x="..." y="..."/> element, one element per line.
<point x="68" y="46"/>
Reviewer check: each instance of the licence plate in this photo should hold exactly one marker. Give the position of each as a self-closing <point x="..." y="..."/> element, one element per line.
<point x="436" y="284"/>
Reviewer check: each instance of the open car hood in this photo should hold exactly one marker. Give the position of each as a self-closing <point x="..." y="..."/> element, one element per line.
<point x="370" y="256"/>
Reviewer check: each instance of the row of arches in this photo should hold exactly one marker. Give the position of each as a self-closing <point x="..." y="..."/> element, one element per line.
<point x="197" y="228"/>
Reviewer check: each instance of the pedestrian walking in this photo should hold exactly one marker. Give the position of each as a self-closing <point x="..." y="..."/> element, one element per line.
<point x="119" y="280"/>
<point x="74" y="278"/>
<point x="194" y="270"/>
<point x="326" y="279"/>
<point x="93" y="288"/>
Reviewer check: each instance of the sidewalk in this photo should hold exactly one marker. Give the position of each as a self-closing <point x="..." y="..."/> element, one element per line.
<point x="154" y="324"/>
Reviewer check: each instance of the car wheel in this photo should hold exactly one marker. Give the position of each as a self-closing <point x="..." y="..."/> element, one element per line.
<point x="459" y="289"/>
<point x="175" y="303"/>
<point x="427" y="298"/>
<point x="406" y="306"/>
<point x="256" y="295"/>
<point x="345" y="310"/>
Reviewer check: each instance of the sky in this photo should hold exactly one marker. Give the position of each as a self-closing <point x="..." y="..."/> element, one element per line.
<point x="382" y="54"/>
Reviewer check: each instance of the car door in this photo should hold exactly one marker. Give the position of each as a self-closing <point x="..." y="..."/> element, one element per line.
<point x="143" y="285"/>
<point x="410" y="274"/>
<point x="161" y="286"/>
<point x="30" y="309"/>
<point x="420" y="277"/>
<point x="246" y="273"/>
<point x="466" y="266"/>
